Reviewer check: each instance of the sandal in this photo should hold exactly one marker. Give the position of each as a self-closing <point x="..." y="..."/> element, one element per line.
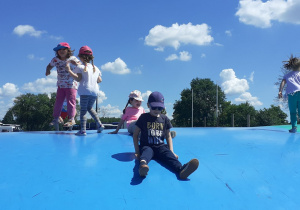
<point x="70" y="123"/>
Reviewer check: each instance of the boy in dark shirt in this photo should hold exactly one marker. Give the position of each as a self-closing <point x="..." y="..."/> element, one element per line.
<point x="154" y="128"/>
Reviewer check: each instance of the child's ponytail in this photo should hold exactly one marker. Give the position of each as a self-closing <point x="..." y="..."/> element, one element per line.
<point x="93" y="64"/>
<point x="128" y="102"/>
<point x="85" y="66"/>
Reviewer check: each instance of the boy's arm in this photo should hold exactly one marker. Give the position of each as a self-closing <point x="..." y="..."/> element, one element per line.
<point x="48" y="69"/>
<point x="118" y="128"/>
<point x="136" y="141"/>
<point x="170" y="142"/>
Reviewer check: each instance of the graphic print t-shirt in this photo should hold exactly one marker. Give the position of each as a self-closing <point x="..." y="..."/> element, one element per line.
<point x="153" y="129"/>
<point x="64" y="79"/>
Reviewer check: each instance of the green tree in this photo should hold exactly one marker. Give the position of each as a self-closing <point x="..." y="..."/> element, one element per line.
<point x="34" y="112"/>
<point x="271" y="116"/>
<point x="204" y="104"/>
<point x="9" y="117"/>
<point x="240" y="112"/>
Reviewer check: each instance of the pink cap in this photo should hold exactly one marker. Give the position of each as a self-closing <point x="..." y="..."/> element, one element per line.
<point x="86" y="50"/>
<point x="61" y="46"/>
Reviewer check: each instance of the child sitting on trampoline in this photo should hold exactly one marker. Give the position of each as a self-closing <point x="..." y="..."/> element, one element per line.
<point x="154" y="128"/>
<point x="132" y="113"/>
<point x="292" y="79"/>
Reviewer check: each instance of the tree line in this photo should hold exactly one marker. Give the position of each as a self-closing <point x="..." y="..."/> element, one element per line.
<point x="34" y="112"/>
<point x="207" y="113"/>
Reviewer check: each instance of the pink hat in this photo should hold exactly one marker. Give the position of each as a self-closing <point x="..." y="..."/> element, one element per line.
<point x="86" y="50"/>
<point x="62" y="45"/>
<point x="136" y="95"/>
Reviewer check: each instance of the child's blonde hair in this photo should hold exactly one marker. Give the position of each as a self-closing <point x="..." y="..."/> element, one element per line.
<point x="87" y="59"/>
<point x="292" y="64"/>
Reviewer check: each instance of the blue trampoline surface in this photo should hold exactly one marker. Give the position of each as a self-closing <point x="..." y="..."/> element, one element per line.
<point x="240" y="168"/>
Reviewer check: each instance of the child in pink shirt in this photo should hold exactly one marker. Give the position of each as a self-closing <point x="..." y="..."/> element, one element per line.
<point x="131" y="114"/>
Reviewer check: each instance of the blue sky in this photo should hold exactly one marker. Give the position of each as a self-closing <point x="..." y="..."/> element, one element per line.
<point x="151" y="46"/>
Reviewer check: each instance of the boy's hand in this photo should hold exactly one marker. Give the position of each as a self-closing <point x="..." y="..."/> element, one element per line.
<point x="114" y="132"/>
<point x="176" y="155"/>
<point x="137" y="156"/>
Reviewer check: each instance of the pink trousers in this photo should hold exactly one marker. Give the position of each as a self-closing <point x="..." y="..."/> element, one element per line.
<point x="70" y="95"/>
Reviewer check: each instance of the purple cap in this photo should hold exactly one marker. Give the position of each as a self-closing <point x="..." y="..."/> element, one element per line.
<point x="156" y="99"/>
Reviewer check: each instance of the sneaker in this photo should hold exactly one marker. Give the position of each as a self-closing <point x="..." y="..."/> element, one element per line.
<point x="100" y="128"/>
<point x="143" y="170"/>
<point x="293" y="130"/>
<point x="188" y="168"/>
<point x="80" y="133"/>
<point x="173" y="134"/>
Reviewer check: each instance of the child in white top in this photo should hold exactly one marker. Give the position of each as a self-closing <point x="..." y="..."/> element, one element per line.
<point x="131" y="114"/>
<point x="88" y="76"/>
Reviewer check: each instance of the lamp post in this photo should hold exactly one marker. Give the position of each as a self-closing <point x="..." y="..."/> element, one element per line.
<point x="192" y="108"/>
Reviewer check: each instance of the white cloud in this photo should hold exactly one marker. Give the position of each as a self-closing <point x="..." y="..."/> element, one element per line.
<point x="172" y="57"/>
<point x="110" y="111"/>
<point x="101" y="96"/>
<point x="262" y="14"/>
<point x="116" y="67"/>
<point x="228" y="33"/>
<point x="10" y="90"/>
<point x="146" y="95"/>
<point x="231" y="84"/>
<point x="203" y="55"/>
<point x="138" y="70"/>
<point x="161" y="36"/>
<point x="56" y="37"/>
<point x="183" y="56"/>
<point x="219" y="45"/>
<point x="33" y="57"/>
<point x="22" y="30"/>
<point x="30" y="56"/>
<point x="251" y="78"/>
<point x="42" y="85"/>
<point x="247" y="97"/>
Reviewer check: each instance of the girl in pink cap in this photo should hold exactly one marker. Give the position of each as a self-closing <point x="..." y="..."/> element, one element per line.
<point x="66" y="85"/>
<point x="131" y="114"/>
<point x="88" y="76"/>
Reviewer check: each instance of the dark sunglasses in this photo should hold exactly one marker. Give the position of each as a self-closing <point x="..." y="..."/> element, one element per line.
<point x="157" y="108"/>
